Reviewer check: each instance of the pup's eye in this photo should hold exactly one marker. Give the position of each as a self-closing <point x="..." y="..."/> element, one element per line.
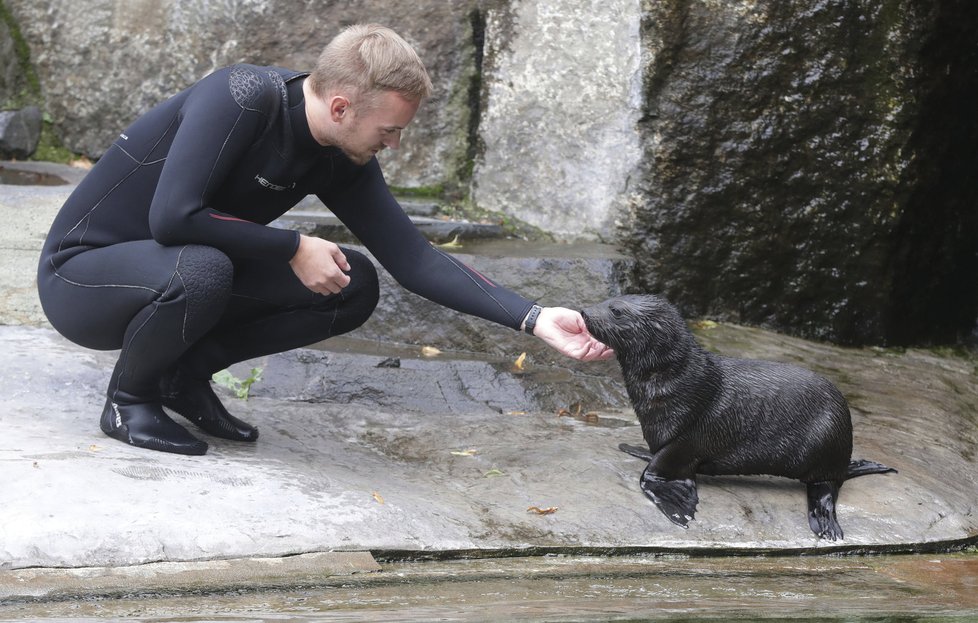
<point x="617" y="312"/>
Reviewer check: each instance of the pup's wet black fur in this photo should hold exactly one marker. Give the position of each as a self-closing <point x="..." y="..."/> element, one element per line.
<point x="703" y="413"/>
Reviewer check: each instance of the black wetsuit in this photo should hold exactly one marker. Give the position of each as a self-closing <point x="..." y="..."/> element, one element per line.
<point x="164" y="249"/>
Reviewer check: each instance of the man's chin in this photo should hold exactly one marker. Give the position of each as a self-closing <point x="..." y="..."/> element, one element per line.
<point x="359" y="159"/>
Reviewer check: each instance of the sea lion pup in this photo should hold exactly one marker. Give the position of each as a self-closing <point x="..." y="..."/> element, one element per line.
<point x="703" y="413"/>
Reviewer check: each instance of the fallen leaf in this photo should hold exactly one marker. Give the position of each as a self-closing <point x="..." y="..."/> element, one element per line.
<point x="468" y="452"/>
<point x="550" y="510"/>
<point x="378" y="497"/>
<point x="518" y="364"/>
<point x="452" y="244"/>
<point x="493" y="473"/>
<point x="81" y="163"/>
<point x="516" y="413"/>
<point x="430" y="351"/>
<point x="94" y="448"/>
<point x="704" y="324"/>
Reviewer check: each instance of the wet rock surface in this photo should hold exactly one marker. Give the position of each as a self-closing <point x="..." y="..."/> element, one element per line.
<point x="426" y="477"/>
<point x="366" y="443"/>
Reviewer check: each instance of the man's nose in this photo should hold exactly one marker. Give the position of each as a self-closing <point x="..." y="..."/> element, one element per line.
<point x="394" y="140"/>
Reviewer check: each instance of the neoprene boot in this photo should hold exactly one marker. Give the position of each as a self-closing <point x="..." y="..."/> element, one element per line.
<point x="146" y="425"/>
<point x="195" y="400"/>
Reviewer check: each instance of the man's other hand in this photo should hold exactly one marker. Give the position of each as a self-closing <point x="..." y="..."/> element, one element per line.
<point x="319" y="265"/>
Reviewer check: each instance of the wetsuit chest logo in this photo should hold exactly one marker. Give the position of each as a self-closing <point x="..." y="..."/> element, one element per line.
<point x="267" y="184"/>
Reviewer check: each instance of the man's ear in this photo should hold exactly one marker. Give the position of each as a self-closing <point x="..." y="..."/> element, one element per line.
<point x="338" y="106"/>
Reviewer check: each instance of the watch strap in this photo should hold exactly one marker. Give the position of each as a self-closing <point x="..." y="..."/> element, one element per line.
<point x="531" y="319"/>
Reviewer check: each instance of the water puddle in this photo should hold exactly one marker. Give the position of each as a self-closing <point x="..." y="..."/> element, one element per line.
<point x="18" y="177"/>
<point x="880" y="589"/>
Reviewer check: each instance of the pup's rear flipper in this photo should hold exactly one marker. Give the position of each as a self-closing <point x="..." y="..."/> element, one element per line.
<point x="677" y="499"/>
<point x="863" y="467"/>
<point x="639" y="453"/>
<point x="821" y="510"/>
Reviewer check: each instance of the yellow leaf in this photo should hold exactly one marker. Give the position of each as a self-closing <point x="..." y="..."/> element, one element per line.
<point x="550" y="510"/>
<point x="705" y="324"/>
<point x="468" y="452"/>
<point x="516" y="413"/>
<point x="494" y="472"/>
<point x="94" y="448"/>
<point x="518" y="364"/>
<point x="430" y="351"/>
<point x="378" y="497"/>
<point x="452" y="244"/>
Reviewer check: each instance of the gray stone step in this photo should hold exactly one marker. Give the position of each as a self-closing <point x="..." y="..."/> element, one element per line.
<point x="311" y="217"/>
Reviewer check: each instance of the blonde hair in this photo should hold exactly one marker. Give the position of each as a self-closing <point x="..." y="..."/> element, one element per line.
<point x="370" y="58"/>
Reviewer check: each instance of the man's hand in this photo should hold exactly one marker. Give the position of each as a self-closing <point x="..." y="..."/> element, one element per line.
<point x="564" y="330"/>
<point x="319" y="265"/>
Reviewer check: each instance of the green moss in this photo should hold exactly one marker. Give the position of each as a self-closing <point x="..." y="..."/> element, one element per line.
<point x="50" y="149"/>
<point x="31" y="93"/>
<point x="436" y="191"/>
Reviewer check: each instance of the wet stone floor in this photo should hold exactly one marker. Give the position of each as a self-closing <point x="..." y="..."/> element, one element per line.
<point x="904" y="589"/>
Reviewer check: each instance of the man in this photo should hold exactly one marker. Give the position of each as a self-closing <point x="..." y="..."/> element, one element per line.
<point x="163" y="250"/>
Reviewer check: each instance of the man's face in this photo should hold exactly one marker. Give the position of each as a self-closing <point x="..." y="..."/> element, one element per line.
<point x="369" y="130"/>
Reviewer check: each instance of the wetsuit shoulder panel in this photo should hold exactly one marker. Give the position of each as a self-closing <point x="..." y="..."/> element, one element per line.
<point x="223" y="117"/>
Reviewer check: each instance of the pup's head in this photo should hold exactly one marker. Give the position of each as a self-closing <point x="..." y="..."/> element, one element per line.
<point x="639" y="328"/>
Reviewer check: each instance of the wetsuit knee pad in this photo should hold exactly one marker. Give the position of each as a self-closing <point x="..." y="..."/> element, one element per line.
<point x="207" y="275"/>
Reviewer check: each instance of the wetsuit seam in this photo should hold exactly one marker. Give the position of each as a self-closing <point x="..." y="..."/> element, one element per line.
<point x="139" y="163"/>
<point x="159" y="139"/>
<point x="475" y="282"/>
<point x="336" y="312"/>
<point x="100" y="285"/>
<point x="217" y="160"/>
<point x="88" y="215"/>
<point x="126" y="347"/>
<point x="186" y="306"/>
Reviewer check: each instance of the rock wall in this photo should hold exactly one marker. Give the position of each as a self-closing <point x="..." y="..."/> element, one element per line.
<point x="788" y="146"/>
<point x="805" y="166"/>
<point x="17" y="89"/>
<point x="103" y="62"/>
<point x="561" y="99"/>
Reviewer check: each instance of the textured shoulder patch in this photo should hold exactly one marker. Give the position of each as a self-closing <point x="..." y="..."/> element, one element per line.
<point x="280" y="85"/>
<point x="245" y="84"/>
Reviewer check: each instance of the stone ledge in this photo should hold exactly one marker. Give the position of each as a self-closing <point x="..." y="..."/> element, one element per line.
<point x="196" y="577"/>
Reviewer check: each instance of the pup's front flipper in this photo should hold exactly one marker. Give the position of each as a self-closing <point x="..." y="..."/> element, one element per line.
<point x="821" y="510"/>
<point x="677" y="499"/>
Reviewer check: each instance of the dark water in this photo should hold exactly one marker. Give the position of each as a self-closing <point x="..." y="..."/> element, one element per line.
<point x="902" y="589"/>
<point x="17" y="177"/>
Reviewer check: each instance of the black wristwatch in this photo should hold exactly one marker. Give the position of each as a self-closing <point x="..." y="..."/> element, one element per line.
<point x="531" y="319"/>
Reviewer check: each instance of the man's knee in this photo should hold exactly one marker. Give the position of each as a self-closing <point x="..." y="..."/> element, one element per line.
<point x="206" y="275"/>
<point x="364" y="287"/>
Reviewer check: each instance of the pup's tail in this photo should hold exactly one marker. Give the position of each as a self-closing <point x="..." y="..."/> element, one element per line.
<point x="863" y="467"/>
